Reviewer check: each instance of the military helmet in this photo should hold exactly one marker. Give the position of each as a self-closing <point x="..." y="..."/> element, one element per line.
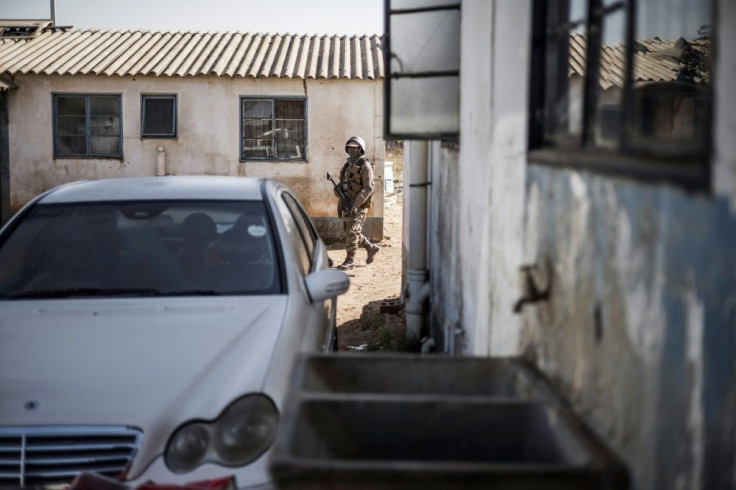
<point x="358" y="140"/>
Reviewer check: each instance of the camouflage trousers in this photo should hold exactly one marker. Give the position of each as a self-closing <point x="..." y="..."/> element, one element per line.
<point x="353" y="228"/>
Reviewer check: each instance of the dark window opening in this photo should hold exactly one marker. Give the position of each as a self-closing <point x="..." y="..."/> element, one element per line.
<point x="158" y="116"/>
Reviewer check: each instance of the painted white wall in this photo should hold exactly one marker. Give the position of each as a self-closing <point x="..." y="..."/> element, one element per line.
<point x="510" y="68"/>
<point x="476" y="131"/>
<point x="724" y="105"/>
<point x="493" y="141"/>
<point x="208" y="132"/>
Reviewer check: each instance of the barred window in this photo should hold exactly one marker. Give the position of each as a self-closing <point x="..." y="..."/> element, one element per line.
<point x="87" y="126"/>
<point x="273" y="129"/>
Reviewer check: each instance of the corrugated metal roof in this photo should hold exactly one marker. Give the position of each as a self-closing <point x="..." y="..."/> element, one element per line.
<point x="158" y="53"/>
<point x="654" y="60"/>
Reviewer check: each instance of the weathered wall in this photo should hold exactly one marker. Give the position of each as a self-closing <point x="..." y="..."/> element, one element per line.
<point x="641" y="330"/>
<point x="640" y="333"/>
<point x="208" y="133"/>
<point x="475" y="175"/>
<point x="445" y="250"/>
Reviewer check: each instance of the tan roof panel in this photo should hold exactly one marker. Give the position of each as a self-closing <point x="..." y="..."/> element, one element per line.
<point x="163" y="53"/>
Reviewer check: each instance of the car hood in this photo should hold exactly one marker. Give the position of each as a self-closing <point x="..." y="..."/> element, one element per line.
<point x="148" y="363"/>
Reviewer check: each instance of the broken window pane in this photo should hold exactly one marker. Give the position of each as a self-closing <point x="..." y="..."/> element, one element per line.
<point x="425" y="42"/>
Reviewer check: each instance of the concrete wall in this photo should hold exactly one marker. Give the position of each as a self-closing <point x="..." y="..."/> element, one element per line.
<point x="478" y="226"/>
<point x="640" y="332"/>
<point x="208" y="134"/>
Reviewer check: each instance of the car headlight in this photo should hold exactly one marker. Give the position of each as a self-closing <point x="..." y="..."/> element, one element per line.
<point x="242" y="432"/>
<point x="187" y="448"/>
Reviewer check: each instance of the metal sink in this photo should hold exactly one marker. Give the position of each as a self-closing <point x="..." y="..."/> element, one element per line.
<point x="399" y="422"/>
<point x="435" y="431"/>
<point x="414" y="375"/>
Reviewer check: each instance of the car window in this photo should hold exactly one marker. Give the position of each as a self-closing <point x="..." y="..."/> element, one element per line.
<point x="303" y="256"/>
<point x="301" y="221"/>
<point x="145" y="248"/>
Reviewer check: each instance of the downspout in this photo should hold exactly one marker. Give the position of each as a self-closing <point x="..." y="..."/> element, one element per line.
<point x="417" y="285"/>
<point x="4" y="159"/>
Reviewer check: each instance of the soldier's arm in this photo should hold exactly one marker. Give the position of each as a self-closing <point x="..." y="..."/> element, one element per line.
<point x="366" y="176"/>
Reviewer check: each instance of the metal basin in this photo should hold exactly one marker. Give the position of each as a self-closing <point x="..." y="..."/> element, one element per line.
<point x="429" y="422"/>
<point x="431" y="431"/>
<point x="413" y="375"/>
<point x="369" y="443"/>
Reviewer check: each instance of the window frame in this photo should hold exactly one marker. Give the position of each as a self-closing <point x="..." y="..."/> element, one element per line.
<point x="273" y="100"/>
<point x="295" y="238"/>
<point x="641" y="162"/>
<point x="87" y="155"/>
<point x="389" y="11"/>
<point x="302" y="223"/>
<point x="175" y="122"/>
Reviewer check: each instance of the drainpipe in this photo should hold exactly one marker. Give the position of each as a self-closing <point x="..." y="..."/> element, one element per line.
<point x="53" y="12"/>
<point x="4" y="159"/>
<point x="417" y="286"/>
<point x="161" y="162"/>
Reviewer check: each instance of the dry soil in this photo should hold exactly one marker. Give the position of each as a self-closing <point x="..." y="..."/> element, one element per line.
<point x="362" y="326"/>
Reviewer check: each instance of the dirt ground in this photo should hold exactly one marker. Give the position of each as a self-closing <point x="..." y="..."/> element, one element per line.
<point x="362" y="325"/>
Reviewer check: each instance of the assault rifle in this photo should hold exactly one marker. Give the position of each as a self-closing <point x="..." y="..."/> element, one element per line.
<point x="347" y="204"/>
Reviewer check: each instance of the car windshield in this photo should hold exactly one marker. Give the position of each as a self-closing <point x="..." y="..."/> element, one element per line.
<point x="160" y="248"/>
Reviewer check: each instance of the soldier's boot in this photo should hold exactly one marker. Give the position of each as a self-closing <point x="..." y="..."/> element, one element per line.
<point x="372" y="250"/>
<point x="349" y="262"/>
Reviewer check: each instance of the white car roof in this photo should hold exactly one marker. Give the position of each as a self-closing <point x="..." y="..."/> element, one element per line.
<point x="158" y="188"/>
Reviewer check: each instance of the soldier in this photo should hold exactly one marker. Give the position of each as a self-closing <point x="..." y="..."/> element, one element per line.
<point x="356" y="181"/>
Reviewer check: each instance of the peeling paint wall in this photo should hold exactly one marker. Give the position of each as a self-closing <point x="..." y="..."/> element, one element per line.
<point x="640" y="331"/>
<point x="208" y="133"/>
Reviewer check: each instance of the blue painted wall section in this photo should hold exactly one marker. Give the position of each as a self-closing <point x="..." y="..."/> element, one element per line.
<point x="640" y="333"/>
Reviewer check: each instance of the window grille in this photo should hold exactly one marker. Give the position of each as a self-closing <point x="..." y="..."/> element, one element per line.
<point x="87" y="126"/>
<point x="273" y="129"/>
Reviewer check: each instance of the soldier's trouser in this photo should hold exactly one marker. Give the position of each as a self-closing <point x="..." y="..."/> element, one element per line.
<point x="353" y="228"/>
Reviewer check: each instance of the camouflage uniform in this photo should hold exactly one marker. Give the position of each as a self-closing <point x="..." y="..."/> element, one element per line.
<point x="356" y="181"/>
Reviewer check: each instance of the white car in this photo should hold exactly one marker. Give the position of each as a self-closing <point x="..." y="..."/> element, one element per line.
<point x="148" y="328"/>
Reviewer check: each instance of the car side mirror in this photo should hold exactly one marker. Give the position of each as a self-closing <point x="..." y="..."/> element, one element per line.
<point x="326" y="284"/>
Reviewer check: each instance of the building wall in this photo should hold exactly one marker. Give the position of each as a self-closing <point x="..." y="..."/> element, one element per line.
<point x="208" y="134"/>
<point x="640" y="332"/>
